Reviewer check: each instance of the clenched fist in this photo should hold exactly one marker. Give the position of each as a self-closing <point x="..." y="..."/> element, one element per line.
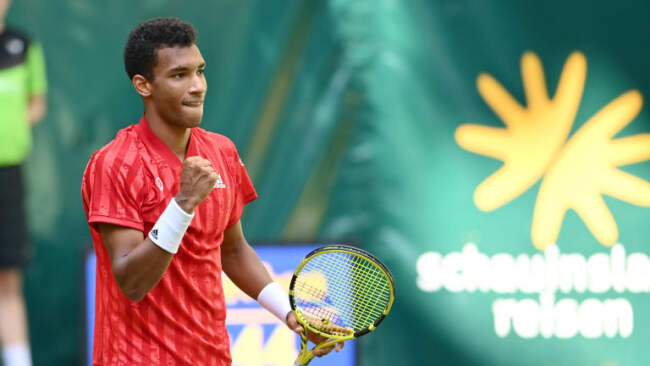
<point x="197" y="180"/>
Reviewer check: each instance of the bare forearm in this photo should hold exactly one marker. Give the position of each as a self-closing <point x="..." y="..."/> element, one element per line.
<point x="36" y="109"/>
<point x="138" y="271"/>
<point x="245" y="270"/>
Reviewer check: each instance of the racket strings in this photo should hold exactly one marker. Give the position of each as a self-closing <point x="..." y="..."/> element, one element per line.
<point x="343" y="289"/>
<point x="315" y="301"/>
<point x="374" y="280"/>
<point x="373" y="291"/>
<point x="308" y="289"/>
<point x="317" y="311"/>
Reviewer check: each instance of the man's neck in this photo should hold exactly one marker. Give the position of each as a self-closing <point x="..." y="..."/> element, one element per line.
<point x="175" y="137"/>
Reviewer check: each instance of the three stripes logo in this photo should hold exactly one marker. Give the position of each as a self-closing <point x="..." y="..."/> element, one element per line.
<point x="219" y="183"/>
<point x="154" y="233"/>
<point x="533" y="146"/>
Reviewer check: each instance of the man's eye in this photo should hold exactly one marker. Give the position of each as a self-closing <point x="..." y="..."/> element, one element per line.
<point x="201" y="71"/>
<point x="178" y="76"/>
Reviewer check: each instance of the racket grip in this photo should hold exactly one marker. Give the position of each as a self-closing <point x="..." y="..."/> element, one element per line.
<point x="303" y="364"/>
<point x="304" y="360"/>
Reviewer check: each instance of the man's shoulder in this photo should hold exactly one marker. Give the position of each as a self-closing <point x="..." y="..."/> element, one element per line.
<point x="122" y="137"/>
<point x="118" y="149"/>
<point x="215" y="140"/>
<point x="116" y="167"/>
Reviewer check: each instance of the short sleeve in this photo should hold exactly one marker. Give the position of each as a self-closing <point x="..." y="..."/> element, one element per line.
<point x="244" y="190"/>
<point x="111" y="191"/>
<point x="36" y="78"/>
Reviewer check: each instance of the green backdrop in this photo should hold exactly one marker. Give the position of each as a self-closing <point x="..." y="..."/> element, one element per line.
<point x="347" y="115"/>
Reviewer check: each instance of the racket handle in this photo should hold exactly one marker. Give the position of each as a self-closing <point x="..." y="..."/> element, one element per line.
<point x="305" y="362"/>
<point x="304" y="356"/>
<point x="304" y="359"/>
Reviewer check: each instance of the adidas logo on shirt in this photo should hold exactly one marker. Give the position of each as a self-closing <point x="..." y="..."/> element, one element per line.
<point x="219" y="183"/>
<point x="154" y="233"/>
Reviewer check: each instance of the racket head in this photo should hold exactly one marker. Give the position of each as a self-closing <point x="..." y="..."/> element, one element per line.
<point x="341" y="292"/>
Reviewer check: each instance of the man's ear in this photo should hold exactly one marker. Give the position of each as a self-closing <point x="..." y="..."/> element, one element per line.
<point x="141" y="85"/>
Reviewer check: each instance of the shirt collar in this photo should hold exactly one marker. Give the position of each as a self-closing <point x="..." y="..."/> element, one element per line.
<point x="154" y="142"/>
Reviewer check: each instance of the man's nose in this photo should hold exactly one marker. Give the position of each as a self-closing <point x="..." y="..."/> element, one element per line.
<point x="199" y="85"/>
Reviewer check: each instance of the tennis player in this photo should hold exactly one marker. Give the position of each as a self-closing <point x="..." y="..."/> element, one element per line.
<point x="163" y="201"/>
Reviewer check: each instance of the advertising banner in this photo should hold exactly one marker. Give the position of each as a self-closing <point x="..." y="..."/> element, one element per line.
<point x="257" y="338"/>
<point x="508" y="145"/>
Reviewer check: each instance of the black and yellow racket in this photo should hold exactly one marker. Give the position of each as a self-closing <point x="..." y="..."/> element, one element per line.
<point x="340" y="292"/>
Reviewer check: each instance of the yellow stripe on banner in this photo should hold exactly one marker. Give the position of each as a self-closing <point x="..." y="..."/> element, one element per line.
<point x="282" y="82"/>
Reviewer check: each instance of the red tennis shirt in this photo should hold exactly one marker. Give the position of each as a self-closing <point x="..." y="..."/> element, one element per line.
<point x="181" y="321"/>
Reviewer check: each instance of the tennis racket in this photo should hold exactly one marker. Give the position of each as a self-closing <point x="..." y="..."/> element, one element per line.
<point x="340" y="292"/>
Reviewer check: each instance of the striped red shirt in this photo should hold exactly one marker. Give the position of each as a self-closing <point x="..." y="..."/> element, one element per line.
<point x="181" y="321"/>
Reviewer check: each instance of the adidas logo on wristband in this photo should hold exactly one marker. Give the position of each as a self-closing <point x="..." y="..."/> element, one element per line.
<point x="168" y="231"/>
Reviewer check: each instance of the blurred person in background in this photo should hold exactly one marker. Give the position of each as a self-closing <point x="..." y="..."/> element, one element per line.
<point x="22" y="105"/>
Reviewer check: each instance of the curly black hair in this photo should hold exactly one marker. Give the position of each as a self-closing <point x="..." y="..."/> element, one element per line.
<point x="140" y="51"/>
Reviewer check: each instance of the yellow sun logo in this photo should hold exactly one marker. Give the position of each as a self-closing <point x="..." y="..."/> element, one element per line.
<point x="533" y="145"/>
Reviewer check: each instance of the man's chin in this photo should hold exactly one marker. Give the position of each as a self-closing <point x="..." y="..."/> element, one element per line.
<point x="194" y="123"/>
<point x="193" y="120"/>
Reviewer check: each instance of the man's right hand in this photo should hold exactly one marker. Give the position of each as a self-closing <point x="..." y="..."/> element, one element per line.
<point x="197" y="181"/>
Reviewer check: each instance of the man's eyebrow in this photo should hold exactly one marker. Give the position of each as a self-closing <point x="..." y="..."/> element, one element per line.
<point x="184" y="68"/>
<point x="178" y="68"/>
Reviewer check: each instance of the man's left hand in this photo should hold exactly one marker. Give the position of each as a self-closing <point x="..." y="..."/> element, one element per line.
<point x="293" y="324"/>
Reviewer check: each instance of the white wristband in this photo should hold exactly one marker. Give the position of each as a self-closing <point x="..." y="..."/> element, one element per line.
<point x="168" y="231"/>
<point x="274" y="299"/>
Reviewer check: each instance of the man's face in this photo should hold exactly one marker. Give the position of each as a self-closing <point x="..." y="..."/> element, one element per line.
<point x="4" y="6"/>
<point x="178" y="87"/>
